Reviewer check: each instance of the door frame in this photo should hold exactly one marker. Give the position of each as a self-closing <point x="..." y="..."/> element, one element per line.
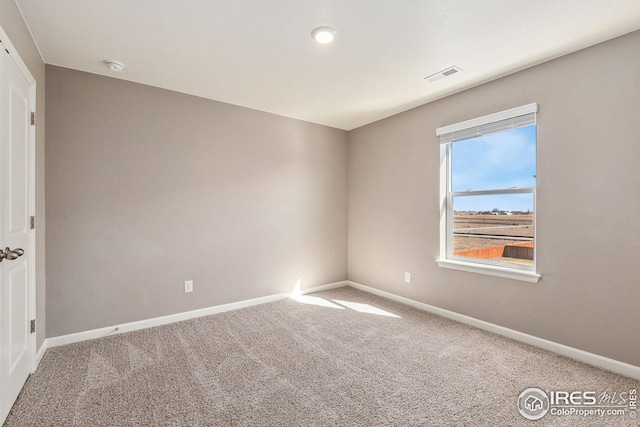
<point x="31" y="196"/>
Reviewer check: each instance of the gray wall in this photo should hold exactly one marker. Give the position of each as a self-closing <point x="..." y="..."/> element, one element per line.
<point x="588" y="236"/>
<point x="147" y="188"/>
<point x="13" y="24"/>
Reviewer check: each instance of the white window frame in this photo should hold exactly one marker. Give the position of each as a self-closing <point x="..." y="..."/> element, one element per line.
<point x="508" y="119"/>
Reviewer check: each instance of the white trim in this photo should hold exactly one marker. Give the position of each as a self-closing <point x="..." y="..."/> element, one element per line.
<point x="163" y="320"/>
<point x="447" y="259"/>
<point x="489" y="118"/>
<point x="490" y="270"/>
<point x="612" y="365"/>
<point x="470" y="193"/>
<point x="158" y="321"/>
<point x="321" y="288"/>
<point x="593" y="359"/>
<point x="31" y="196"/>
<point x="445" y="165"/>
<point x="31" y="165"/>
<point x="16" y="57"/>
<point x="40" y="354"/>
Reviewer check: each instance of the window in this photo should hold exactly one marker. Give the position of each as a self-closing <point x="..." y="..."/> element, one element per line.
<point x="488" y="194"/>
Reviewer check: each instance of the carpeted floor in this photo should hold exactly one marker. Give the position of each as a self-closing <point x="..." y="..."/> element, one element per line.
<point x="335" y="358"/>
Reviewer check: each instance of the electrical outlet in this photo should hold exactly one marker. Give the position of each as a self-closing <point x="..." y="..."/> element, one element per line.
<point x="407" y="277"/>
<point x="188" y="286"/>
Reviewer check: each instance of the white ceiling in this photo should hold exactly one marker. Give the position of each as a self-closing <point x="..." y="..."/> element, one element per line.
<point x="259" y="53"/>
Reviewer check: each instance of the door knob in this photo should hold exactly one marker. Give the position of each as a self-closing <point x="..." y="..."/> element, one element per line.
<point x="11" y="254"/>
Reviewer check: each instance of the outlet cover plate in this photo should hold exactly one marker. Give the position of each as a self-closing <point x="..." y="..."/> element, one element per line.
<point x="188" y="286"/>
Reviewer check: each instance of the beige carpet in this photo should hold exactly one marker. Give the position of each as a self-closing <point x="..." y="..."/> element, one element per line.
<point x="336" y="358"/>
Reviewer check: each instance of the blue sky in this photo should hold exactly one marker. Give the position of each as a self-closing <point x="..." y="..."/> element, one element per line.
<point x="496" y="161"/>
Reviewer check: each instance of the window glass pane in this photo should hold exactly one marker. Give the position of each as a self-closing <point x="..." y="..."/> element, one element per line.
<point x="495" y="161"/>
<point x="498" y="228"/>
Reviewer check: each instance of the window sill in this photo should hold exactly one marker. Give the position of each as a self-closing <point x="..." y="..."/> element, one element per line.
<point x="491" y="270"/>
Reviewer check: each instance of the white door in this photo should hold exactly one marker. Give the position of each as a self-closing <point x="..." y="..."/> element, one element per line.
<point x="15" y="118"/>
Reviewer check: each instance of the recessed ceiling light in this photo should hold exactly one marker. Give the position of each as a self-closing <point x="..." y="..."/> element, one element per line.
<point x="323" y="34"/>
<point x="114" y="65"/>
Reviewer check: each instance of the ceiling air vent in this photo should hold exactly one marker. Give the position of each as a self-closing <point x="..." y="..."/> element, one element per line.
<point x="442" y="74"/>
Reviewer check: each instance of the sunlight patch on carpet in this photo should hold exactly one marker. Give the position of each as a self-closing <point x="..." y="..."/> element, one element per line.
<point x="365" y="308"/>
<point x="307" y="299"/>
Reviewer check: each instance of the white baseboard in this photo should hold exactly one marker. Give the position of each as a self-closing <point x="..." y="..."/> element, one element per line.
<point x="40" y="354"/>
<point x="321" y="288"/>
<point x="554" y="347"/>
<point x="561" y="349"/>
<point x="163" y="320"/>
